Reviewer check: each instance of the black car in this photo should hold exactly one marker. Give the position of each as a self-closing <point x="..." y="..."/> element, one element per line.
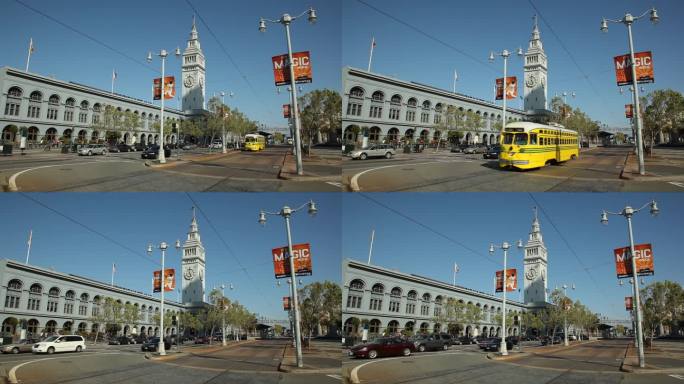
<point x="112" y="148"/>
<point x="152" y="345"/>
<point x="121" y="340"/>
<point x="549" y="340"/>
<point x="125" y="147"/>
<point x="467" y="340"/>
<point x="494" y="343"/>
<point x="139" y="146"/>
<point x="430" y="342"/>
<point x="153" y="151"/>
<point x="492" y="152"/>
<point x="448" y="338"/>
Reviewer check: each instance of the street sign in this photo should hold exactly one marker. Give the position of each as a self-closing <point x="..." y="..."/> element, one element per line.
<point x="286" y="303"/>
<point x="169" y="88"/>
<point x="511" y="88"/>
<point x="644" y="261"/>
<point x="511" y="280"/>
<point x="629" y="111"/>
<point x="169" y="280"/>
<point x="644" y="68"/>
<point x="286" y="111"/>
<point x="628" y="303"/>
<point x="301" y="67"/>
<point x="302" y="260"/>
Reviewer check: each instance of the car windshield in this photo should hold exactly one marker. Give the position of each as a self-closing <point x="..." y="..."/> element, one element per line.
<point x="51" y="338"/>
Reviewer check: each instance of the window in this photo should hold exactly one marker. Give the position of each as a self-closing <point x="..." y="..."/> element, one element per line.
<point x="378" y="288"/>
<point x="83" y="117"/>
<point x="375" y="111"/>
<point x="425" y="309"/>
<point x="353" y="301"/>
<point x="36" y="97"/>
<point x="410" y="115"/>
<point x="394" y="306"/>
<point x="394" y="114"/>
<point x="375" y="304"/>
<point x="437" y="118"/>
<point x="410" y="308"/>
<point x="33" y="111"/>
<point x="353" y="109"/>
<point x="53" y="298"/>
<point x="52" y="114"/>
<point x="13" y="294"/>
<point x="12" y="108"/>
<point x="356" y="92"/>
<point x="378" y="96"/>
<point x="533" y="139"/>
<point x="96" y="119"/>
<point x="69" y="302"/>
<point x="424" y="117"/>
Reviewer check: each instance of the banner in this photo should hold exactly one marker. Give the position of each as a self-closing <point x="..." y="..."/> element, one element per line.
<point x="302" y="68"/>
<point x="644" y="260"/>
<point x="511" y="280"/>
<point x="169" y="280"/>
<point x="628" y="303"/>
<point x="286" y="303"/>
<point x="169" y="88"/>
<point x="286" y="111"/>
<point x="511" y="88"/>
<point x="629" y="111"/>
<point x="302" y="260"/>
<point x="644" y="68"/>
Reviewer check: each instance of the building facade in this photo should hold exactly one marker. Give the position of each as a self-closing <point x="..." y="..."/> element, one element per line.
<point x="193" y="266"/>
<point x="535" y="72"/>
<point x="193" y="72"/>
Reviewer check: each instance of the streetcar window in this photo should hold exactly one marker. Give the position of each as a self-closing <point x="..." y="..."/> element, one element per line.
<point x="521" y="139"/>
<point x="508" y="138"/>
<point x="533" y="139"/>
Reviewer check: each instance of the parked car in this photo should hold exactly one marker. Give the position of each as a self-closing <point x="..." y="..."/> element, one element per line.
<point x="139" y="146"/>
<point x="67" y="343"/>
<point x="187" y="147"/>
<point x="384" y="346"/>
<point x="23" y="345"/>
<point x="549" y="340"/>
<point x="123" y="147"/>
<point x="113" y="148"/>
<point x="456" y="149"/>
<point x="202" y="340"/>
<point x="474" y="149"/>
<point x="216" y="145"/>
<point x="152" y="345"/>
<point x="430" y="343"/>
<point x="492" y="152"/>
<point x="139" y="339"/>
<point x="153" y="151"/>
<point x="449" y="339"/>
<point x="494" y="343"/>
<point x="467" y="340"/>
<point x="92" y="149"/>
<point x="121" y="340"/>
<point x="374" y="150"/>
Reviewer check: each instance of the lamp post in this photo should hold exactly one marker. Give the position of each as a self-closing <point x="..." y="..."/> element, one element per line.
<point x="286" y="212"/>
<point x="628" y="212"/>
<point x="565" y="313"/>
<point x="162" y="54"/>
<point x="286" y="20"/>
<point x="223" y="121"/>
<point x="162" y="246"/>
<point x="505" y="246"/>
<point x="505" y="55"/>
<point x="628" y="20"/>
<point x="223" y="309"/>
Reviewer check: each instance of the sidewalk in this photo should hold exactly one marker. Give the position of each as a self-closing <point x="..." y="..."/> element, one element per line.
<point x="664" y="164"/>
<point x="658" y="360"/>
<point x="316" y="168"/>
<point x="536" y="350"/>
<point x="318" y="358"/>
<point x="172" y="161"/>
<point x="192" y="350"/>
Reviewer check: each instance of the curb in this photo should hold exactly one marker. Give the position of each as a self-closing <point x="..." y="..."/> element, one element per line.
<point x="168" y="164"/>
<point x="280" y="364"/>
<point x="284" y="175"/>
<point x="622" y="172"/>
<point x="176" y="355"/>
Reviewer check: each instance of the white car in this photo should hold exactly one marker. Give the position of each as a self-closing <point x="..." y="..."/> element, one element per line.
<point x="92" y="149"/>
<point x="216" y="145"/>
<point x="65" y="343"/>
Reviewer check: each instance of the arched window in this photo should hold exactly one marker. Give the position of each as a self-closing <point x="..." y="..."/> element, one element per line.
<point x="15" y="92"/>
<point x="396" y="99"/>
<point x="54" y="100"/>
<point x="426" y="104"/>
<point x="438" y="107"/>
<point x="412" y="102"/>
<point x="356" y="92"/>
<point x="13" y="101"/>
<point x="53" y="299"/>
<point x="13" y="293"/>
<point x="395" y="299"/>
<point x="36" y="288"/>
<point x="412" y="295"/>
<point x="70" y="102"/>
<point x="34" y="297"/>
<point x="396" y="291"/>
<point x="97" y="107"/>
<point x="378" y="288"/>
<point x="36" y="96"/>
<point x="426" y="297"/>
<point x="70" y="295"/>
<point x="374" y="326"/>
<point x="69" y="301"/>
<point x="356" y="284"/>
<point x="378" y="96"/>
<point x="54" y="292"/>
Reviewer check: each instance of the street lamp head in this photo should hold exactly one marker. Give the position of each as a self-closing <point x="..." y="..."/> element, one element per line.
<point x="491" y="57"/>
<point x="312" y="208"/>
<point x="573" y="286"/>
<point x="491" y="249"/>
<point x="573" y="94"/>
<point x="163" y="53"/>
<point x="520" y="244"/>
<point x="604" y="26"/>
<point x="262" y="218"/>
<point x="604" y="217"/>
<point x="231" y="286"/>
<point x="223" y="93"/>
<point x="178" y="52"/>
<point x="654" y="208"/>
<point x="149" y="57"/>
<point x="262" y="25"/>
<point x="621" y="283"/>
<point x="178" y="244"/>
<point x="149" y="249"/>
<point x="520" y="51"/>
<point x="163" y="246"/>
<point x="654" y="16"/>
<point x="312" y="15"/>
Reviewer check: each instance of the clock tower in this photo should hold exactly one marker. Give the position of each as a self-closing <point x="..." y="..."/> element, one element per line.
<point x="535" y="73"/>
<point x="535" y="265"/>
<point x="193" y="72"/>
<point x="193" y="265"/>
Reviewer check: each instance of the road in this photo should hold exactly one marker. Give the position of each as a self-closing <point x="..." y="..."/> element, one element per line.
<point x="597" y="362"/>
<point x="122" y="172"/>
<point x="597" y="170"/>
<point x="254" y="362"/>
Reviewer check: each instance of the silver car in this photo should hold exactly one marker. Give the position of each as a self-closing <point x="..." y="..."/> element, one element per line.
<point x="92" y="149"/>
<point x="24" y="345"/>
<point x="375" y="150"/>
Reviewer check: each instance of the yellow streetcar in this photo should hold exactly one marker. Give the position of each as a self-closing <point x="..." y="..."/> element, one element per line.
<point x="255" y="142"/>
<point x="526" y="145"/>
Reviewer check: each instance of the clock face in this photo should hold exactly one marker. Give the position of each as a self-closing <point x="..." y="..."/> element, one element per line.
<point x="189" y="81"/>
<point x="189" y="273"/>
<point x="531" y="81"/>
<point x="531" y="274"/>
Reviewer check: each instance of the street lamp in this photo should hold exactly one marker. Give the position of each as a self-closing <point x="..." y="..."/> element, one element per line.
<point x="505" y="246"/>
<point x="223" y="309"/>
<point x="286" y="20"/>
<point x="628" y="212"/>
<point x="628" y="20"/>
<point x="286" y="212"/>
<point x="505" y="55"/>
<point x="565" y="313"/>
<point x="162" y="246"/>
<point x="223" y="121"/>
<point x="162" y="54"/>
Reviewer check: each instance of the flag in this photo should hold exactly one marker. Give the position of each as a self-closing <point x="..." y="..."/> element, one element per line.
<point x="455" y="75"/>
<point x="456" y="269"/>
<point x="113" y="74"/>
<point x="113" y="268"/>
<point x="31" y="48"/>
<point x="373" y="43"/>
<point x="30" y="237"/>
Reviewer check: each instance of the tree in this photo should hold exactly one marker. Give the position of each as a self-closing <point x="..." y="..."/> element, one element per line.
<point x="663" y="115"/>
<point x="663" y="306"/>
<point x="321" y="304"/>
<point x="321" y="113"/>
<point x="131" y="314"/>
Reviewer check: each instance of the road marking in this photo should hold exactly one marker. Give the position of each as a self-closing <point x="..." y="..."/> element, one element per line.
<point x="355" y="179"/>
<point x="338" y="377"/>
<point x="12" y="376"/>
<point x="680" y="185"/>
<point x="13" y="179"/>
<point x="354" y="376"/>
<point x="680" y="377"/>
<point x="334" y="183"/>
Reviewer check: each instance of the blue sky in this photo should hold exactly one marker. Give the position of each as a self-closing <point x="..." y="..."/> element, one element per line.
<point x="128" y="26"/>
<point x="474" y="220"/>
<point x="135" y="219"/>
<point x="478" y="27"/>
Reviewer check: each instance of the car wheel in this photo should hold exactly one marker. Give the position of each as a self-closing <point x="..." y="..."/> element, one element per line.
<point x="90" y="153"/>
<point x="372" y="354"/>
<point x="388" y="155"/>
<point x="51" y="350"/>
<point x="421" y="348"/>
<point x="15" y="350"/>
<point x="446" y="347"/>
<point x="363" y="156"/>
<point x="104" y="153"/>
<point x="406" y="352"/>
<point x="79" y="349"/>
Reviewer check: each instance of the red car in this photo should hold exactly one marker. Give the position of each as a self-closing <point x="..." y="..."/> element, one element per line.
<point x="384" y="346"/>
<point x="202" y="340"/>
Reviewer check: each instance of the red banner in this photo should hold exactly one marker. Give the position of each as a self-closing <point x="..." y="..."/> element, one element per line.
<point x="301" y="67"/>
<point x="511" y="88"/>
<point x="628" y="303"/>
<point x="629" y="111"/>
<point x="644" y="260"/>
<point x="511" y="280"/>
<point x="286" y="111"/>
<point x="644" y="68"/>
<point x="302" y="260"/>
<point x="169" y="88"/>
<point x="286" y="303"/>
<point x="169" y="280"/>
